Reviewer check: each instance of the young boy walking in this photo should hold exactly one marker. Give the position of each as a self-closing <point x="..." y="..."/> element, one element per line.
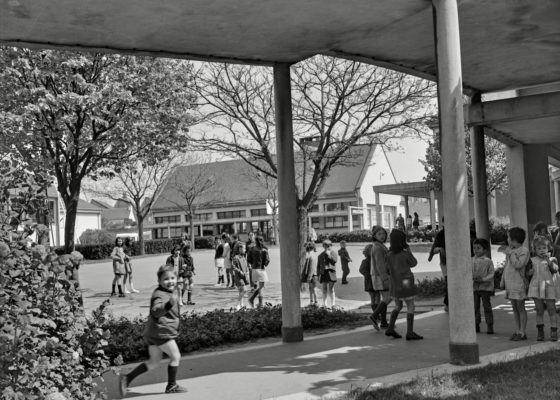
<point x="344" y="261"/>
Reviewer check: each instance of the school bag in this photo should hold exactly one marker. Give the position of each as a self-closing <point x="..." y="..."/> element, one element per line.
<point x="365" y="267"/>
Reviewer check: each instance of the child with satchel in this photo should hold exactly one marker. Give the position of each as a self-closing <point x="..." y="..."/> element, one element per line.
<point x="514" y="280"/>
<point x="402" y="288"/>
<point x="544" y="287"/>
<point x="240" y="272"/>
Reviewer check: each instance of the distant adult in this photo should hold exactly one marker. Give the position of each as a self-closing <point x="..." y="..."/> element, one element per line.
<point x="415" y="221"/>
<point x="249" y="245"/>
<point x="438" y="247"/>
<point x="326" y="270"/>
<point x="219" y="260"/>
<point x="399" y="222"/>
<point x="409" y="222"/>
<point x="259" y="259"/>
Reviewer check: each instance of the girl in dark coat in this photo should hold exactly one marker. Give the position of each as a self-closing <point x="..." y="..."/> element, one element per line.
<point x="326" y="270"/>
<point x="402" y="288"/>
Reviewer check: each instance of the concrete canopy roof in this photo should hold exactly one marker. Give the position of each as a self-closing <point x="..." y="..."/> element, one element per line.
<point x="413" y="189"/>
<point x="504" y="44"/>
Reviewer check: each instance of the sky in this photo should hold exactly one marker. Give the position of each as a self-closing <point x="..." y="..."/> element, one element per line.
<point x="404" y="160"/>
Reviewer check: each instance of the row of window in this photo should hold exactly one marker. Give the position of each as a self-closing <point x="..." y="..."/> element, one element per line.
<point x="336" y="222"/>
<point x="210" y="230"/>
<point x="337" y="206"/>
<point x="170" y="219"/>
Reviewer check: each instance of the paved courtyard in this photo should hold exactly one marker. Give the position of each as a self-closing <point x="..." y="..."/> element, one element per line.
<point x="96" y="279"/>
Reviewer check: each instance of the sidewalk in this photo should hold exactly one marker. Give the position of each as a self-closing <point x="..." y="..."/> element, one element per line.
<point x="326" y="364"/>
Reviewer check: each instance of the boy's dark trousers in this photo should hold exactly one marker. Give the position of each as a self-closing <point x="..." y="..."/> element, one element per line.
<point x="485" y="297"/>
<point x="345" y="272"/>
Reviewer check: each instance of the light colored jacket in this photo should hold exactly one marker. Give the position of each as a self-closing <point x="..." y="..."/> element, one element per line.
<point x="379" y="268"/>
<point x="483" y="269"/>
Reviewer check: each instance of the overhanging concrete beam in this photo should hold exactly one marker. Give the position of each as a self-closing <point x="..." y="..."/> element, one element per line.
<point x="514" y="109"/>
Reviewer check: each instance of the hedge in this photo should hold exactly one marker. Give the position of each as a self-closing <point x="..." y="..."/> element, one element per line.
<point x="156" y="246"/>
<point x="219" y="327"/>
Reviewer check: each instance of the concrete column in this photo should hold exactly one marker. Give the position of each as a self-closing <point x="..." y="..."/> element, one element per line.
<point x="556" y="196"/>
<point x="516" y="178"/>
<point x="433" y="209"/>
<point x="292" y="329"/>
<point x="463" y="347"/>
<point x="378" y="210"/>
<point x="349" y="219"/>
<point x="537" y="185"/>
<point x="478" y="165"/>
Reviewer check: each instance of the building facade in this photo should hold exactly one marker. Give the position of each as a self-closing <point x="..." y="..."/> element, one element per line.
<point x="240" y="203"/>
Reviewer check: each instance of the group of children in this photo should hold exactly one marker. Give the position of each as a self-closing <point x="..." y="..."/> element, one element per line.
<point x="122" y="268"/>
<point x="322" y="269"/>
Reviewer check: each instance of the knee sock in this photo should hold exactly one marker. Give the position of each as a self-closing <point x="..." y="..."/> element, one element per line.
<point x="172" y="375"/>
<point x="409" y="323"/>
<point x="394" y="316"/>
<point x="189" y="294"/>
<point x="383" y="314"/>
<point x="373" y="307"/>
<point x="113" y="288"/>
<point x="120" y="289"/>
<point x="140" y="369"/>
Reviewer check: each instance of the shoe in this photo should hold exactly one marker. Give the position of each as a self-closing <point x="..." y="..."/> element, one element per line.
<point x="384" y="325"/>
<point x="175" y="389"/>
<point x="345" y="283"/>
<point x="126" y="291"/>
<point x="374" y="322"/>
<point x="217" y="285"/>
<point x="519" y="337"/>
<point x="514" y="336"/>
<point x="122" y="295"/>
<point x="190" y="303"/>
<point x="393" y="333"/>
<point x="123" y="385"/>
<point x="113" y="294"/>
<point x="135" y="291"/>
<point x="413" y="336"/>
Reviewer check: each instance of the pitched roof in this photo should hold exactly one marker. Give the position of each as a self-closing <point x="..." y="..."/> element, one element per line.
<point x="236" y="182"/>
<point x="113" y="214"/>
<point x="100" y="203"/>
<point x="82" y="204"/>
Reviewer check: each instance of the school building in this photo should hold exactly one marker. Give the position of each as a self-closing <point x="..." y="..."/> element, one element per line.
<point x="237" y="202"/>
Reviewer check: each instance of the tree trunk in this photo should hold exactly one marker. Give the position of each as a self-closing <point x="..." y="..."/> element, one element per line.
<point x="140" y="225"/>
<point x="275" y="237"/>
<point x="302" y="222"/>
<point x="70" y="222"/>
<point x="191" y="226"/>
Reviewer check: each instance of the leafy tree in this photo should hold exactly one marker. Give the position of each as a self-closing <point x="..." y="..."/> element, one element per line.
<point x="76" y="114"/>
<point x="340" y="103"/>
<point x="96" y="236"/>
<point x="496" y="178"/>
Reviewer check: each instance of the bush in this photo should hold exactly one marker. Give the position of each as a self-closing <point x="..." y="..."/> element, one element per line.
<point x="422" y="234"/>
<point x="218" y="327"/>
<point x="48" y="347"/>
<point x="96" y="236"/>
<point x="431" y="287"/>
<point x="204" y="242"/>
<point x="498" y="231"/>
<point x="354" y="236"/>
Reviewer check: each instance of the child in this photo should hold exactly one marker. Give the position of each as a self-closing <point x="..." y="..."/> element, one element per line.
<point x="128" y="267"/>
<point x="380" y="277"/>
<point x="326" y="270"/>
<point x="187" y="273"/>
<point x="344" y="260"/>
<point x="309" y="274"/>
<point x="219" y="261"/>
<point x="514" y="280"/>
<point x="399" y="261"/>
<point x="160" y="332"/>
<point x="259" y="260"/>
<point x="365" y="270"/>
<point x="240" y="271"/>
<point x="177" y="261"/>
<point x="544" y="286"/>
<point x="483" y="284"/>
<point x="541" y="229"/>
<point x="118" y="256"/>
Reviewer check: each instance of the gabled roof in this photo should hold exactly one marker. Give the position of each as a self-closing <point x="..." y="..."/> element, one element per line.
<point x="83" y="205"/>
<point x="113" y="214"/>
<point x="100" y="204"/>
<point x="236" y="182"/>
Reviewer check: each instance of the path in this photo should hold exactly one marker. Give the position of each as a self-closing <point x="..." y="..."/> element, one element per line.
<point x="320" y="365"/>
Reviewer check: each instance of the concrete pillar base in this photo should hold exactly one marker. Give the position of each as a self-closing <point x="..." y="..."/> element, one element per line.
<point x="463" y="353"/>
<point x="293" y="334"/>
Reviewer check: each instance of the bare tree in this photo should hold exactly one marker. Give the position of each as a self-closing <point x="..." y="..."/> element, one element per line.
<point x="192" y="188"/>
<point x="270" y="187"/>
<point x="139" y="184"/>
<point x="340" y="103"/>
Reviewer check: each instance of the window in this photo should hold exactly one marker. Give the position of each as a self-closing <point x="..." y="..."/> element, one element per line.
<point x="231" y="214"/>
<point x="336" y="222"/>
<point x="170" y="219"/>
<point x="160" y="233"/>
<point x="177" y="231"/>
<point x="258" y="212"/>
<point x="341" y="206"/>
<point x="314" y="208"/>
<point x="200" y="217"/>
<point x="357" y="222"/>
<point x="315" y="222"/>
